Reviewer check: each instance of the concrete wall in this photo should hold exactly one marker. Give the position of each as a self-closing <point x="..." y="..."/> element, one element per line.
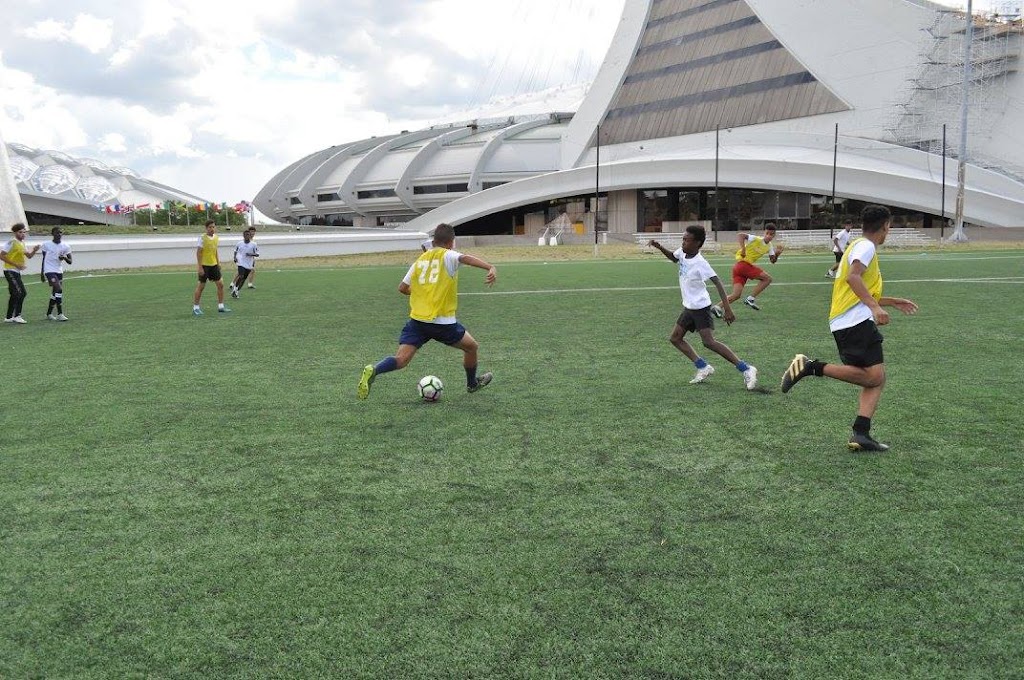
<point x="121" y="252"/>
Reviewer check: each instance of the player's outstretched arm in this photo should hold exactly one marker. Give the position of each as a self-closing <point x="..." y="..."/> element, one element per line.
<point x="664" y="251"/>
<point x="473" y="261"/>
<point x="903" y="304"/>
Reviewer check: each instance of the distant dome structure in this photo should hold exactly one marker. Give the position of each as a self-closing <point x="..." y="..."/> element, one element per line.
<point x="783" y="99"/>
<point x="56" y="187"/>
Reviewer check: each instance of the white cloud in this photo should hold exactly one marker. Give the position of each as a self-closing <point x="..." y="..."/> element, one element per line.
<point x="217" y="97"/>
<point x="85" y="31"/>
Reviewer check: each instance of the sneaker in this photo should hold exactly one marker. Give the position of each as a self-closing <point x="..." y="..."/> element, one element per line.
<point x="51" y="317"/>
<point x="717" y="311"/>
<point x="61" y="317"/>
<point x="11" y="320"/>
<point x="365" y="380"/>
<point x="750" y="302"/>
<point x="798" y="369"/>
<point x="251" y="286"/>
<point x="703" y="374"/>
<point x="196" y="311"/>
<point x="750" y="377"/>
<point x="234" y="293"/>
<point x="829" y="274"/>
<point x="18" y="319"/>
<point x="482" y="381"/>
<point x="864" y="442"/>
<point x="223" y="310"/>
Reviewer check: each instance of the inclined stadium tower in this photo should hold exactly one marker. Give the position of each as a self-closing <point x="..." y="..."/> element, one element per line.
<point x="57" y="188"/>
<point x="772" y="80"/>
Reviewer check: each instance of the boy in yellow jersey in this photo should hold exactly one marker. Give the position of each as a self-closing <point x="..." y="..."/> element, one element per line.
<point x="208" y="268"/>
<point x="14" y="255"/>
<point x="752" y="248"/>
<point x="432" y="285"/>
<point x="854" y="318"/>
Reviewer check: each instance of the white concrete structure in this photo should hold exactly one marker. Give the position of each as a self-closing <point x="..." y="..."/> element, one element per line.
<point x="93" y="253"/>
<point x="54" y="183"/>
<point x="775" y="76"/>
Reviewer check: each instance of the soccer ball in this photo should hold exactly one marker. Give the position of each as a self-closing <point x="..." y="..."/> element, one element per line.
<point x="430" y="388"/>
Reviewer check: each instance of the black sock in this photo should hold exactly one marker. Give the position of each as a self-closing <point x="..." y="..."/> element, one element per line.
<point x="817" y="367"/>
<point x="49" y="307"/>
<point x="862" y="425"/>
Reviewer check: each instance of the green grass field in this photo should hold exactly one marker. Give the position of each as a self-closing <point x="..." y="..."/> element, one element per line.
<point x="205" y="496"/>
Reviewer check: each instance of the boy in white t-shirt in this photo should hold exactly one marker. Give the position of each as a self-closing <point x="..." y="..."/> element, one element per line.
<point x="55" y="254"/>
<point x="694" y="271"/>
<point x="245" y="256"/>
<point x="839" y="243"/>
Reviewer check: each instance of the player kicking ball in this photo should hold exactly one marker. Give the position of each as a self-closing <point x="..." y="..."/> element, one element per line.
<point x="694" y="270"/>
<point x="432" y="284"/>
<point x="857" y="311"/>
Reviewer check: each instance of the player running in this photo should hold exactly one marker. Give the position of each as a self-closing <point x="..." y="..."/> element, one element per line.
<point x="694" y="270"/>
<point x="752" y="248"/>
<point x="432" y="284"/>
<point x="854" y="318"/>
<point x="245" y="256"/>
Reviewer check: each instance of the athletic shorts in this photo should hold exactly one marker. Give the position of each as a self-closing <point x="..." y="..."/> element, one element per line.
<point x="743" y="271"/>
<point x="419" y="333"/>
<point x="696" y="319"/>
<point x="210" y="273"/>
<point x="51" y="277"/>
<point x="860" y="345"/>
<point x="839" y="257"/>
<point x="243" y="272"/>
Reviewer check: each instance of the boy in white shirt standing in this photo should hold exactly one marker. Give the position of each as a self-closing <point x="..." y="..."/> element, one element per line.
<point x="839" y="243"/>
<point x="245" y="256"/>
<point x="694" y="270"/>
<point x="55" y="254"/>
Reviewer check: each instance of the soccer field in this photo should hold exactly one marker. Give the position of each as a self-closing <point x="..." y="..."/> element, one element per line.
<point x="205" y="496"/>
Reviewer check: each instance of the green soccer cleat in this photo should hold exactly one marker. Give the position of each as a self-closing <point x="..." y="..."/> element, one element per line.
<point x="365" y="380"/>
<point x="864" y="442"/>
<point x="798" y="369"/>
<point x="481" y="382"/>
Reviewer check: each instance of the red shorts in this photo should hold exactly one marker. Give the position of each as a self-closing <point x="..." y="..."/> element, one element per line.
<point x="743" y="271"/>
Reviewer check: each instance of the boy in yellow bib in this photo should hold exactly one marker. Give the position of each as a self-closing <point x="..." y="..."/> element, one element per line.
<point x="208" y="268"/>
<point x="432" y="284"/>
<point x="854" y="318"/>
<point x="14" y="254"/>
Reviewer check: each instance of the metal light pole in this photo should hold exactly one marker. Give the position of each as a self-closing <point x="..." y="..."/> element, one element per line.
<point x="597" y="186"/>
<point x="961" y="174"/>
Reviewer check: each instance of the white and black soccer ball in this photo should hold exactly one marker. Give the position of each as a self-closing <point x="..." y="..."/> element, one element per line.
<point x="430" y="388"/>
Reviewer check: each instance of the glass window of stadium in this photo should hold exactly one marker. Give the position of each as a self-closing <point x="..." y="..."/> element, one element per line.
<point x="735" y="209"/>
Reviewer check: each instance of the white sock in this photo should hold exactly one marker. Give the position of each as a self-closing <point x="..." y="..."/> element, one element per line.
<point x="220" y="305"/>
<point x="195" y="306"/>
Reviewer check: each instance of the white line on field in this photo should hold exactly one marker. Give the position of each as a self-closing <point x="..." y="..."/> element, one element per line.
<point x="548" y="291"/>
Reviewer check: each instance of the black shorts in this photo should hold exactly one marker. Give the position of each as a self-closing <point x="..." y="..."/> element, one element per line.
<point x="839" y="257"/>
<point x="696" y="319"/>
<point x="54" y="276"/>
<point x="243" y="272"/>
<point x="210" y="273"/>
<point x="860" y="345"/>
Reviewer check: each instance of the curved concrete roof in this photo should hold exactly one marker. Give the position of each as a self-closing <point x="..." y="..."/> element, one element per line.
<point x="776" y="76"/>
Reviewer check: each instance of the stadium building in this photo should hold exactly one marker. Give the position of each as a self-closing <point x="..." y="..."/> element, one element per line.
<point x="727" y="112"/>
<point x="56" y="188"/>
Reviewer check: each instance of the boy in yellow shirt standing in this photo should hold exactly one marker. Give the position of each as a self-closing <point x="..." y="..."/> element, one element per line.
<point x="854" y="318"/>
<point x="14" y="255"/>
<point x="432" y="284"/>
<point x="208" y="268"/>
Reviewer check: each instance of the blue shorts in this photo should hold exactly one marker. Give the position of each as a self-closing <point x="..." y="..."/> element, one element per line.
<point x="419" y="333"/>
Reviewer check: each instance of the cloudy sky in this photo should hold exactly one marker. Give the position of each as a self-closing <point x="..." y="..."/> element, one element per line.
<point x="216" y="96"/>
